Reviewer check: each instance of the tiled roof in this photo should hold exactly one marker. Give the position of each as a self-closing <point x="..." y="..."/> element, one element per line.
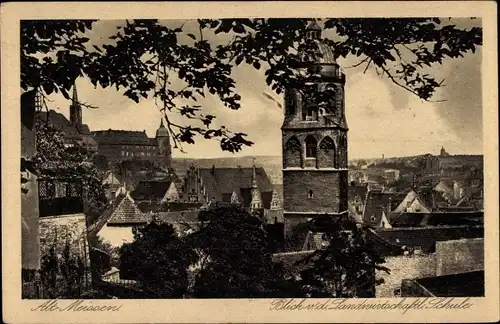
<point x="179" y="206"/>
<point x="123" y="137"/>
<point x="188" y="216"/>
<point x="151" y="190"/>
<point x="426" y="237"/>
<point x="220" y="181"/>
<point x="376" y="203"/>
<point x="126" y="212"/>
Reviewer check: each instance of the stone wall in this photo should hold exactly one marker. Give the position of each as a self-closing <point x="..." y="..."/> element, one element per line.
<point x="459" y="256"/>
<point x="404" y="267"/>
<point x="451" y="257"/>
<point x="55" y="230"/>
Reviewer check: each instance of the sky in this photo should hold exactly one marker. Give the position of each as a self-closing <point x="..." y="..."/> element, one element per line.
<point x="383" y="118"/>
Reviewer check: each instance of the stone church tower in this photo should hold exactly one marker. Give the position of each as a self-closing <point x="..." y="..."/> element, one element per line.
<point x="314" y="135"/>
<point x="165" y="150"/>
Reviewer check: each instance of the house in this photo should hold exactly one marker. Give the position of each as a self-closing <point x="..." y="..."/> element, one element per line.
<point x="161" y="191"/>
<point x="378" y="206"/>
<point x="357" y="197"/>
<point x="412" y="203"/>
<point x="112" y="185"/>
<point x="249" y="187"/>
<point x="116" y="223"/>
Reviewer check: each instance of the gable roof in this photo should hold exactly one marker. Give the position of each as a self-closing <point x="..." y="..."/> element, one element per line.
<point x="111" y="180"/>
<point x="426" y="237"/>
<point x="123" y="137"/>
<point x="122" y="209"/>
<point x="375" y="203"/>
<point x="438" y="219"/>
<point x="151" y="189"/>
<point x="126" y="212"/>
<point x="223" y="181"/>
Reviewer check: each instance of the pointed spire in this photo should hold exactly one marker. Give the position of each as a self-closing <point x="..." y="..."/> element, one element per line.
<point x="161" y="122"/>
<point x="75" y="94"/>
<point x="254" y="175"/>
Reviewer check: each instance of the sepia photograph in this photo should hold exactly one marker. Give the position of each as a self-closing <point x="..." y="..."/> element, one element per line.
<point x="282" y="158"/>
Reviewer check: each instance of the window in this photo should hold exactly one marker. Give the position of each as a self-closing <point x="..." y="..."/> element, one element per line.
<point x="373" y="219"/>
<point x="310" y="194"/>
<point x="311" y="145"/>
<point x="123" y="153"/>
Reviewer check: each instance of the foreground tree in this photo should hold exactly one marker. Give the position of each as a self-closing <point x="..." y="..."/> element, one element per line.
<point x="158" y="259"/>
<point x="146" y="59"/>
<point x="55" y="161"/>
<point x="346" y="267"/>
<point x="236" y="257"/>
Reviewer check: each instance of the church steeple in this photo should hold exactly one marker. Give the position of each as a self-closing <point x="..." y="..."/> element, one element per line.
<point x="256" y="202"/>
<point x="254" y="176"/>
<point x="75" y="110"/>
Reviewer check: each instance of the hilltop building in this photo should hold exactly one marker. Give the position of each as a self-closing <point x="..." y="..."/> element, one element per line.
<point x="74" y="131"/>
<point x="121" y="145"/>
<point x="314" y="135"/>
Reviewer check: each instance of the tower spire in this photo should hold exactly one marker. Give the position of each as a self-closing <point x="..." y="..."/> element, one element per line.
<point x="75" y="94"/>
<point x="254" y="175"/>
<point x="75" y="109"/>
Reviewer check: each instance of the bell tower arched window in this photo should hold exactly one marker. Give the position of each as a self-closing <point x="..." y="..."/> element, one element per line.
<point x="311" y="147"/>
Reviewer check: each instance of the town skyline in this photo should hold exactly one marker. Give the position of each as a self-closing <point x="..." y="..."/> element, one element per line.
<point x="396" y="121"/>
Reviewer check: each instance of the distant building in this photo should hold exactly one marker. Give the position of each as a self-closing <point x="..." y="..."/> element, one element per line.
<point x="121" y="145"/>
<point x="357" y="197"/>
<point x="249" y="187"/>
<point x="443" y="152"/>
<point x="74" y="131"/>
<point x="391" y="175"/>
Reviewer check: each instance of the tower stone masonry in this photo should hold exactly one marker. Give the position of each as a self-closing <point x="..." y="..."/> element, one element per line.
<point x="165" y="149"/>
<point x="314" y="135"/>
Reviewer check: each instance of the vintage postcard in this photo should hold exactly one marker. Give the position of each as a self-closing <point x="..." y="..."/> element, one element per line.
<point x="250" y="162"/>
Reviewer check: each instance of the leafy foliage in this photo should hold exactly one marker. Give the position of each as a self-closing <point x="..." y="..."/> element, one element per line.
<point x="345" y="268"/>
<point x="145" y="58"/>
<point x="62" y="275"/>
<point x="235" y="259"/>
<point x="54" y="160"/>
<point x="158" y="259"/>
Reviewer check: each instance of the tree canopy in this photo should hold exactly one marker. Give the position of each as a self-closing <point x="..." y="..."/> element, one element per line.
<point x="143" y="58"/>
<point x="54" y="160"/>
